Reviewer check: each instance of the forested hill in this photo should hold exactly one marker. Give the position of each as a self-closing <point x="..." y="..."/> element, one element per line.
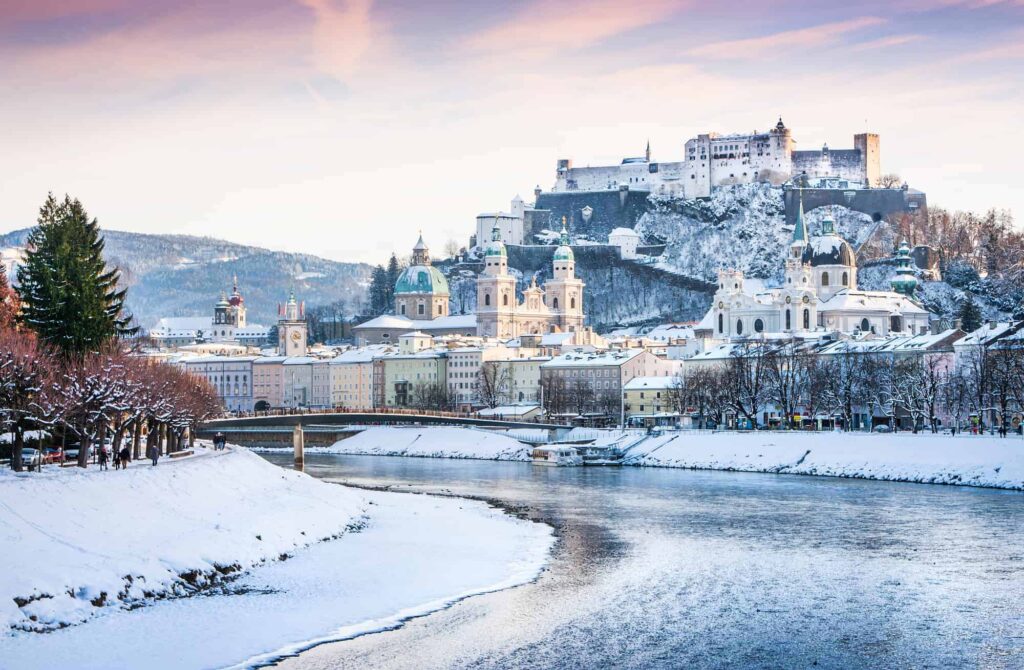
<point x="183" y="275"/>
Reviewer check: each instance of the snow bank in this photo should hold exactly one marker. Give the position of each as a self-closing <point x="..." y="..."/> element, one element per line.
<point x="924" y="458"/>
<point x="80" y="542"/>
<point x="417" y="554"/>
<point x="434" y="441"/>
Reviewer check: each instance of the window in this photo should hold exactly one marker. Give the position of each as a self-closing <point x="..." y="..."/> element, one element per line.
<point x="788" y="320"/>
<point x="824" y="279"/>
<point x="401" y="309"/>
<point x="487" y="299"/>
<point x="758" y="325"/>
<point x="721" y="328"/>
<point x="504" y="300"/>
<point x="846" y="279"/>
<point x="572" y="303"/>
<point x="419" y="309"/>
<point x="739" y="326"/>
<point x="554" y="303"/>
<point x="864" y="325"/>
<point x="807" y="319"/>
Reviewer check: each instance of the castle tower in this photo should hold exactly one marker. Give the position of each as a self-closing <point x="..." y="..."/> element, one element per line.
<point x="291" y="328"/>
<point x="421" y="292"/>
<point x="496" y="292"/>
<point x="220" y="310"/>
<point x="870" y="157"/>
<point x="564" y="293"/>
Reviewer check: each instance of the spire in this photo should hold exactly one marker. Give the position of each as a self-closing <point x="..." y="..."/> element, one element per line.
<point x="564" y="240"/>
<point x="234" y="284"/>
<point x="647" y="153"/>
<point x="495" y="233"/>
<point x="800" y="229"/>
<point x="420" y="252"/>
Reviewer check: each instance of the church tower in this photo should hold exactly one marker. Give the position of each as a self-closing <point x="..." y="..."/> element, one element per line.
<point x="291" y="329"/>
<point x="564" y="293"/>
<point x="496" y="292"/>
<point x="421" y="292"/>
<point x="236" y="306"/>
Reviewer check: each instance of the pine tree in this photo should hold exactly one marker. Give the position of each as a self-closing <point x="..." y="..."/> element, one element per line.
<point x="69" y="296"/>
<point x="9" y="304"/>
<point x="378" y="290"/>
<point x="969" y="315"/>
<point x="394" y="270"/>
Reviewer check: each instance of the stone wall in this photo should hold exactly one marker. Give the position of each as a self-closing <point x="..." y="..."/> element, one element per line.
<point x="878" y="203"/>
<point x="609" y="210"/>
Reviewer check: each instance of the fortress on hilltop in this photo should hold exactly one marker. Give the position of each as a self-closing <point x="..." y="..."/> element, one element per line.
<point x="711" y="160"/>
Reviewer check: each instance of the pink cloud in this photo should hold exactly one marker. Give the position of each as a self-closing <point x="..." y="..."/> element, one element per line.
<point x="342" y="36"/>
<point x="803" y="37"/>
<point x="543" y="27"/>
<point x="885" y="42"/>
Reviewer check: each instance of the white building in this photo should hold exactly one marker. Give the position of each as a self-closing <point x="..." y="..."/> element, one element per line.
<point x="230" y="376"/>
<point x="227" y="325"/>
<point x="819" y="292"/>
<point x="626" y="239"/>
<point x="509" y="223"/>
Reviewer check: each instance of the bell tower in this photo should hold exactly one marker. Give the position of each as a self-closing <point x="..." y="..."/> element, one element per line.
<point x="496" y="292"/>
<point x="291" y="328"/>
<point x="563" y="294"/>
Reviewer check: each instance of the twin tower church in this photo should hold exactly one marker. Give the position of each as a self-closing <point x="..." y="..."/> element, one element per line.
<point x="421" y="295"/>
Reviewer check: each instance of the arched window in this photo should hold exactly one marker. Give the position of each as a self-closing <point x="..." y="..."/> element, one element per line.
<point x="807" y="319"/>
<point x="504" y="299"/>
<point x="739" y="326"/>
<point x="721" y="326"/>
<point x="824" y="279"/>
<point x="572" y="303"/>
<point x="554" y="303"/>
<point x="419" y="309"/>
<point x="758" y="326"/>
<point x="846" y="279"/>
<point x="487" y="299"/>
<point x="864" y="325"/>
<point x="788" y="320"/>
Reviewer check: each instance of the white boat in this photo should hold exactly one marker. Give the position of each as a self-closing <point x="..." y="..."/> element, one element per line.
<point x="558" y="456"/>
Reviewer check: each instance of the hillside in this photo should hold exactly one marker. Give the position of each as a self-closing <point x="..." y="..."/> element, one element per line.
<point x="183" y="275"/>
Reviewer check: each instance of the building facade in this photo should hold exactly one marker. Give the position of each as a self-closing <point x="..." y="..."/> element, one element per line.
<point x="230" y="376"/>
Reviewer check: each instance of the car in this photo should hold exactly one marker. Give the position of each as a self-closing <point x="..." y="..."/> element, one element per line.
<point x="71" y="453"/>
<point x="30" y="457"/>
<point x="882" y="428"/>
<point x="53" y="455"/>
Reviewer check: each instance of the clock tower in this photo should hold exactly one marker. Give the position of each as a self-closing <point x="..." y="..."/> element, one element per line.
<point x="291" y="329"/>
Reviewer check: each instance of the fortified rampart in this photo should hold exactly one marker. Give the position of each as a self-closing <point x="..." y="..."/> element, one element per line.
<point x="877" y="203"/>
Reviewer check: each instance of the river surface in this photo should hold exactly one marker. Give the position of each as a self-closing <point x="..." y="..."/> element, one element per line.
<point x="661" y="568"/>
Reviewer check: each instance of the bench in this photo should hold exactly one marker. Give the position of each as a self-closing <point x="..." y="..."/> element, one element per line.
<point x="180" y="454"/>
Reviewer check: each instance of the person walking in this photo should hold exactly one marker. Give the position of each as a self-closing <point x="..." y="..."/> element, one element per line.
<point x="103" y="456"/>
<point x="125" y="457"/>
<point x="154" y="454"/>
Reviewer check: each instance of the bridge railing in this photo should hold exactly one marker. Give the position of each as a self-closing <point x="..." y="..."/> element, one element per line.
<point x="396" y="411"/>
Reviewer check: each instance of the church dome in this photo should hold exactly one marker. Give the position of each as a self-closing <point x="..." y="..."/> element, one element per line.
<point x="496" y="248"/>
<point x="421" y="279"/>
<point x="564" y="253"/>
<point x="829" y="248"/>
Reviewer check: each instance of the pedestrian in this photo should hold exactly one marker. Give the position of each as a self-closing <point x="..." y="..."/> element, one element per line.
<point x="103" y="457"/>
<point x="125" y="457"/>
<point x="154" y="454"/>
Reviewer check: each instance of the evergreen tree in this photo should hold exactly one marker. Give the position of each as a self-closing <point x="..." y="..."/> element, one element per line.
<point x="69" y="296"/>
<point x="394" y="270"/>
<point x="378" y="290"/>
<point x="969" y="315"/>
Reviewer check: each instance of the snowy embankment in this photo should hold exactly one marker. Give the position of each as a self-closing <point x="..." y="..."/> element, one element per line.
<point x="79" y="542"/>
<point x="430" y="442"/>
<point x="922" y="458"/>
<point x="69" y="537"/>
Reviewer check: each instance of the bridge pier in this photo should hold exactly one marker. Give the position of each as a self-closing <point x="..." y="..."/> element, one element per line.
<point x="299" y="443"/>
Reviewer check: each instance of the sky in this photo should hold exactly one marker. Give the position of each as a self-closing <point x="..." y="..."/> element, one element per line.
<point x="343" y="128"/>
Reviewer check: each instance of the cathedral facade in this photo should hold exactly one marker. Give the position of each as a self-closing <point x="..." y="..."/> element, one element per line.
<point x="819" y="292"/>
<point x="558" y="307"/>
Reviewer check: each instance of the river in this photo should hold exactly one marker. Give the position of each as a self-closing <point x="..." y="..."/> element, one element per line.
<point x="660" y="568"/>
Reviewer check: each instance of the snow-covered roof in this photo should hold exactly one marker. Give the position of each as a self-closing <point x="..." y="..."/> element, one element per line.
<point x="890" y="302"/>
<point x="267" y="360"/>
<point x="644" y="383"/>
<point x="555" y="339"/>
<point x="990" y="332"/>
<point x="508" y="410"/>
<point x="362" y="354"/>
<point x="575" y="359"/>
<point x="300" y="360"/>
<point x="623" y="232"/>
<point x="181" y="324"/>
<point x="415" y="333"/>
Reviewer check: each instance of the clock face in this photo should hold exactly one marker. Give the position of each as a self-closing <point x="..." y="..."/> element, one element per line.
<point x="806" y="299"/>
<point x="721" y="305"/>
<point x="788" y="300"/>
<point x="296" y="335"/>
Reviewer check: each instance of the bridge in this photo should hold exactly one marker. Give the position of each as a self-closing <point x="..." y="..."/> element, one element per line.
<point x="329" y="426"/>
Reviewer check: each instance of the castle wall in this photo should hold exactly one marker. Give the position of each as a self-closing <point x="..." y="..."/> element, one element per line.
<point x="610" y="210"/>
<point x="875" y="202"/>
<point x="844" y="163"/>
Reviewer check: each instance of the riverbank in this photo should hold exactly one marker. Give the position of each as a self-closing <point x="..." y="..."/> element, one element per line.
<point x="963" y="460"/>
<point x="89" y="555"/>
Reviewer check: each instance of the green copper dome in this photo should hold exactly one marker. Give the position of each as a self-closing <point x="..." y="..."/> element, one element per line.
<point x="495" y="247"/>
<point x="564" y="251"/>
<point x="421" y="279"/>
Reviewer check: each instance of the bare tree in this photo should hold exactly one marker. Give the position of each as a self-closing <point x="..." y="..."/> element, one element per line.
<point x="786" y="378"/>
<point x="746" y="379"/>
<point x="492" y="383"/>
<point x="890" y="180"/>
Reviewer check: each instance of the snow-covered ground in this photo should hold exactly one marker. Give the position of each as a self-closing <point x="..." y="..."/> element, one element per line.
<point x="939" y="459"/>
<point x="71" y="536"/>
<point x="430" y="441"/>
<point x="926" y="458"/>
